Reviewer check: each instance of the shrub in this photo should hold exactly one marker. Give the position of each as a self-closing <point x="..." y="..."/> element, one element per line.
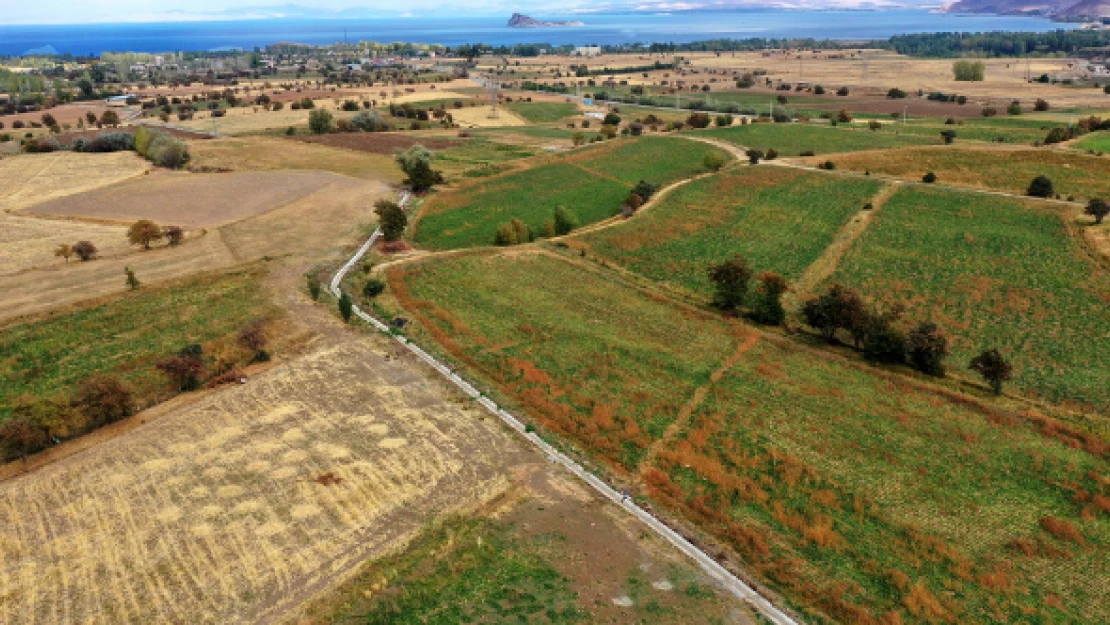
<point x="85" y="250"/>
<point x="1041" y="105"/>
<point x="771" y="154"/>
<point x="416" y="162"/>
<point x="843" y="91"/>
<point x="1062" y="530"/>
<point x="969" y="71"/>
<point x="391" y="219"/>
<point x="1059" y="134"/>
<point x="168" y="151"/>
<point x="103" y="399"/>
<point x="313" y="286"/>
<point x="644" y="189"/>
<point x="563" y="221"/>
<point x="513" y="233"/>
<point x="370" y="121"/>
<point x="949" y="136"/>
<point x="896" y="94"/>
<point x="714" y="161"/>
<point x="827" y="165"/>
<point x="766" y="304"/>
<point x="320" y="122"/>
<point x="1042" y="187"/>
<point x="724" y="120"/>
<point x="754" y="155"/>
<point x="988" y="111"/>
<point x="929" y="178"/>
<point x="874" y="125"/>
<point x="373" y="288"/>
<point x="611" y="119"/>
<point x="698" y="120"/>
<point x="1014" y="108"/>
<point x="882" y="342"/>
<point x="184" y="368"/>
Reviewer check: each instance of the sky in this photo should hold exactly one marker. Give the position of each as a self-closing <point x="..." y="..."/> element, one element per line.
<point x="113" y="11"/>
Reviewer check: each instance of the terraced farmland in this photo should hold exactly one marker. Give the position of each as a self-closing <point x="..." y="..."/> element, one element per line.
<point x="793" y="139"/>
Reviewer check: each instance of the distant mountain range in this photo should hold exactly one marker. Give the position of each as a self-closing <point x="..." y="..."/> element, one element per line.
<point x="1071" y="9"/>
<point x="523" y="21"/>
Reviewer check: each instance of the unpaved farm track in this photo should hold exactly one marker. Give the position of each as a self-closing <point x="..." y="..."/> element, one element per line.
<point x="216" y="512"/>
<point x="726" y="578"/>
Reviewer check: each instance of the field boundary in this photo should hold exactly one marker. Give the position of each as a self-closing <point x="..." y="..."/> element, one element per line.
<point x="726" y="578"/>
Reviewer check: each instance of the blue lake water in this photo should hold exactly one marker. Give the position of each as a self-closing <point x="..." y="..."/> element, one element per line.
<point x="599" y="29"/>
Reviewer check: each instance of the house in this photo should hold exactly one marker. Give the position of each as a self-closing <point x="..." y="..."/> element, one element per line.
<point x="587" y="51"/>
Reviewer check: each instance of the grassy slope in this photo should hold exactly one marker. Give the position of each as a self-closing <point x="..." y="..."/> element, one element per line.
<point x="994" y="273"/>
<point x="779" y="219"/>
<point x="990" y="168"/>
<point x="592" y="183"/>
<point x="1096" y="142"/>
<point x="544" y="331"/>
<point x="854" y="495"/>
<point x="127" y="335"/>
<point x="792" y="139"/>
<point x="542" y="112"/>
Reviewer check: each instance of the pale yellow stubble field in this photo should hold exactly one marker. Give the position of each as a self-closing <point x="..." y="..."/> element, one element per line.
<point x="241" y="506"/>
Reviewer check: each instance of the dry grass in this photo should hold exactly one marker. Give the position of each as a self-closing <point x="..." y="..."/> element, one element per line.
<point x="479" y="117"/>
<point x="27" y="179"/>
<point x="272" y="154"/>
<point x="27" y="242"/>
<point x="191" y="200"/>
<point x="213" y="513"/>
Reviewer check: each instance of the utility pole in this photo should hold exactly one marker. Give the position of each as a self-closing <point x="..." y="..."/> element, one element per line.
<point x="905" y="109"/>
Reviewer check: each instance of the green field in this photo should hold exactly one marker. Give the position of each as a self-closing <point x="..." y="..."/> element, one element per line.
<point x="1095" y="142"/>
<point x="978" y="130"/>
<point x="993" y="272"/>
<point x="863" y="497"/>
<point x="542" y="112"/>
<point x="779" y="219"/>
<point x="1001" y="169"/>
<point x="545" y="331"/>
<point x="856" y="495"/>
<point x="480" y="153"/>
<point x="126" y="336"/>
<point x="592" y="183"/>
<point x="793" y="139"/>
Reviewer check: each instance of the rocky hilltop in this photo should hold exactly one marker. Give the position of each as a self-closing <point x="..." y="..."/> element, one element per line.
<point x="523" y="21"/>
<point x="1050" y="8"/>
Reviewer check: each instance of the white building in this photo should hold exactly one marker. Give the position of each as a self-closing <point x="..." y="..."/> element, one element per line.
<point x="587" y="51"/>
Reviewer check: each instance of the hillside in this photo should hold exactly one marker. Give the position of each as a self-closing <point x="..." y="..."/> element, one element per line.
<point x="1055" y="8"/>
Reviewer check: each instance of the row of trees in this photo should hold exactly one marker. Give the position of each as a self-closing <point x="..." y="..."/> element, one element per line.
<point x="102" y="399"/>
<point x="877" y="332"/>
<point x="514" y="232"/>
<point x="143" y="232"/>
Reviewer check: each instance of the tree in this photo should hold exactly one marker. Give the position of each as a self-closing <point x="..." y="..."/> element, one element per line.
<point x="714" y="161"/>
<point x="723" y="121"/>
<point x="611" y="119"/>
<point x="132" y="282"/>
<point x="391" y="219"/>
<point x="843" y="116"/>
<point x="64" y="250"/>
<point x="766" y="306"/>
<point x="578" y="139"/>
<point x="346" y="307"/>
<point x="929" y="178"/>
<point x="1041" y="187"/>
<point x="110" y="118"/>
<point x="416" y="162"/>
<point x="882" y="342"/>
<point x="753" y="155"/>
<point x="1097" y="208"/>
<point x="22" y="437"/>
<point x="313" y="286"/>
<point x="253" y="338"/>
<point x="969" y="71"/>
<point x="103" y="399"/>
<point x="320" y="122"/>
<point x="730" y="282"/>
<point x="1014" y="108"/>
<point x="993" y="367"/>
<point x="1041" y="105"/>
<point x="373" y="288"/>
<point x="698" y="120"/>
<point x="839" y="308"/>
<point x="184" y="368"/>
<point x="144" y="232"/>
<point x="91" y="117"/>
<point x="927" y="347"/>
<point x="645" y="190"/>
<point x="85" y="250"/>
<point x="949" y="136"/>
<point x="174" y="234"/>
<point x="48" y="120"/>
<point x="564" y="221"/>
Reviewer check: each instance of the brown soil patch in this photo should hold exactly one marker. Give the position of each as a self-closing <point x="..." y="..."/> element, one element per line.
<point x="65" y="114"/>
<point x="190" y="200"/>
<point x="272" y="153"/>
<point x="377" y="142"/>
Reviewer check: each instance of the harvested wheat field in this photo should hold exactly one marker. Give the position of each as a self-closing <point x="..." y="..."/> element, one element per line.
<point x="28" y="179"/>
<point x="479" y="117"/>
<point x="239" y="507"/>
<point x="27" y="242"/>
<point x="272" y="154"/>
<point x="191" y="200"/>
<point x="378" y="142"/>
